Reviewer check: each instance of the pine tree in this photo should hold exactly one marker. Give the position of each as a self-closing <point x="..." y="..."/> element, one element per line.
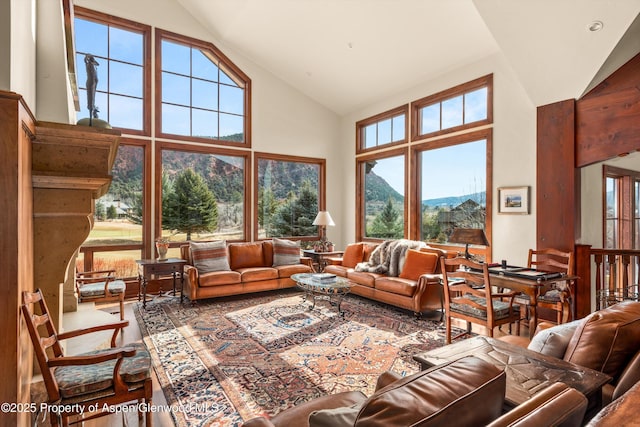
<point x="387" y="224"/>
<point x="295" y="216"/>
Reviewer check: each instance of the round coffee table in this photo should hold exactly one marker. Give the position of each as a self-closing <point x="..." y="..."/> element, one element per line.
<point x="333" y="291"/>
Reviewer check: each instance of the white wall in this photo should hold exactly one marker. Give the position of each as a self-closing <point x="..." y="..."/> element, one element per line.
<point x="514" y="142"/>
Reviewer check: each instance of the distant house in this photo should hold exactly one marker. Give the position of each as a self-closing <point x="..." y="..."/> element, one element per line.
<point x="468" y="214"/>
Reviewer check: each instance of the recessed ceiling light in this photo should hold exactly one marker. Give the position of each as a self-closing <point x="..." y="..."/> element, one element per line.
<point x="595" y="26"/>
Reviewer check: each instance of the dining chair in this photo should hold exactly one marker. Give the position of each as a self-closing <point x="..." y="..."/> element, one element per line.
<point x="468" y="295"/>
<point x="100" y="286"/>
<point x="94" y="380"/>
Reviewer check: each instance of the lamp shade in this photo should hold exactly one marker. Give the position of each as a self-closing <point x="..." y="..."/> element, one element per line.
<point x="323" y="218"/>
<point x="469" y="236"/>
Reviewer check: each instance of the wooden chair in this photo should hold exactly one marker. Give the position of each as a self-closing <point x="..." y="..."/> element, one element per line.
<point x="468" y="296"/>
<point x="560" y="298"/>
<point x="103" y="377"/>
<point x="100" y="286"/>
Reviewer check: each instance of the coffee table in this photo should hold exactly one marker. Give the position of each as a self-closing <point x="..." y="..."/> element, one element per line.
<point x="333" y="292"/>
<point x="528" y="372"/>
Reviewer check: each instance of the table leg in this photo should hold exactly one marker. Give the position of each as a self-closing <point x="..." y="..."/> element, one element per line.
<point x="174" y="283"/>
<point x="533" y="314"/>
<point x="181" y="286"/>
<point x="144" y="292"/>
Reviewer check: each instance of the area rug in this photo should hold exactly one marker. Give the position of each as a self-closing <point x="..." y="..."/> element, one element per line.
<point x="226" y="360"/>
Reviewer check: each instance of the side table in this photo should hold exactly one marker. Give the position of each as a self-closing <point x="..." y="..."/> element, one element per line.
<point x="320" y="258"/>
<point x="154" y="268"/>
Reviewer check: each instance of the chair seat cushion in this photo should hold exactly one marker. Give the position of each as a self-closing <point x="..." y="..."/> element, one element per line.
<point x="97" y="289"/>
<point x="83" y="379"/>
<point x="500" y="308"/>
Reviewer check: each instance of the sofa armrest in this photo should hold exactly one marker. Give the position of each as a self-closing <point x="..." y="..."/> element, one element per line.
<point x="258" y="422"/>
<point x="629" y="377"/>
<point x="387" y="378"/>
<point x="192" y="274"/>
<point x="334" y="260"/>
<point x="557" y="405"/>
<point x="305" y="260"/>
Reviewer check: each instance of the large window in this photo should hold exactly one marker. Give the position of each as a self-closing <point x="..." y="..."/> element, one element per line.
<point x="289" y="195"/>
<point x="388" y="128"/>
<point x="120" y="50"/>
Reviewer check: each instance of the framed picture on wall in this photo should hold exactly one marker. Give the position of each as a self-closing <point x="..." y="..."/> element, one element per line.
<point x="513" y="200"/>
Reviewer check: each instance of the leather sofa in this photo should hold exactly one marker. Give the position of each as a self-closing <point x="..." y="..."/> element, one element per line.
<point x="466" y="392"/>
<point x="621" y="412"/>
<point x="419" y="290"/>
<point x="249" y="268"/>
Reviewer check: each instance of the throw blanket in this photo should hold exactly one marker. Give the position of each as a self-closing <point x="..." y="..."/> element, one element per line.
<point x="388" y="257"/>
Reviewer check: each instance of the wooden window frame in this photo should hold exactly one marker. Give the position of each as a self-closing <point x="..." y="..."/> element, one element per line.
<point x="125" y="24"/>
<point x="360" y="191"/>
<point x="322" y="163"/>
<point x="198" y="149"/>
<point x="438" y="98"/>
<point x="626" y="204"/>
<point x="362" y="124"/>
<point x="233" y="71"/>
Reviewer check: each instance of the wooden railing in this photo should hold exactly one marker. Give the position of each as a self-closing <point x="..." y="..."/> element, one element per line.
<point x="611" y="273"/>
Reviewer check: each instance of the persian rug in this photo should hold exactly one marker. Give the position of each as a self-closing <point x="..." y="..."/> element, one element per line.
<point x="226" y="360"/>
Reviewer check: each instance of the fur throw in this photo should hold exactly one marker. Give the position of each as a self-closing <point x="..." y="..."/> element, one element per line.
<point x="388" y="257"/>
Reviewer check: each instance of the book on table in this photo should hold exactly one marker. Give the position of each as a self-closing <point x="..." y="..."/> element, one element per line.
<point x="323" y="277"/>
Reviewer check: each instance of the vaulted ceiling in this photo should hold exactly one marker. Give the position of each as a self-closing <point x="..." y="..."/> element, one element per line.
<point x="347" y="54"/>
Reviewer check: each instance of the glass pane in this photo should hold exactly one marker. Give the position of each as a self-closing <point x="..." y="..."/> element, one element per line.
<point x="458" y="201"/>
<point x="370" y="135"/>
<point x="384" y="198"/>
<point x="81" y="72"/>
<point x="384" y="132"/>
<point x="204" y="124"/>
<point x="225" y="79"/>
<point x="398" y="128"/>
<point x="204" y="94"/>
<point x="231" y="99"/>
<point x="102" y="106"/>
<point x="475" y="105"/>
<point x="176" y="58"/>
<point x="125" y="79"/>
<point x="452" y="112"/>
<point x="176" y="89"/>
<point x="430" y="119"/>
<point x="611" y="234"/>
<point x="124" y="262"/>
<point x="126" y="46"/>
<point x="202" y="196"/>
<point x="176" y="120"/>
<point x="125" y="112"/>
<point x="612" y="198"/>
<point x="231" y="128"/>
<point x="90" y="37"/>
<point x="203" y="67"/>
<point x="287" y="198"/>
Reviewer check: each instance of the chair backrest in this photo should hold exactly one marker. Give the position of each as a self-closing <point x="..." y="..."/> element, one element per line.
<point x="551" y="260"/>
<point x="44" y="337"/>
<point x="474" y="275"/>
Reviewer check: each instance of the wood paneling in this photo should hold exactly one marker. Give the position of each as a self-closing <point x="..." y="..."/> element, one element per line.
<point x="608" y="117"/>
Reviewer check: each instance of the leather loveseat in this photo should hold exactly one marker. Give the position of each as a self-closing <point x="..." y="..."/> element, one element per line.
<point x="416" y="288"/>
<point x="466" y="392"/>
<point x="216" y="269"/>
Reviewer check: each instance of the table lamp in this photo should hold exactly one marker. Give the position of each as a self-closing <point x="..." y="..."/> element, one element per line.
<point x="469" y="236"/>
<point x="323" y="219"/>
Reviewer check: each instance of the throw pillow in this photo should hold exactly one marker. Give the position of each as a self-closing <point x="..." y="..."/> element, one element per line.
<point x="285" y="252"/>
<point x="210" y="256"/>
<point x="336" y="417"/>
<point x="554" y="341"/>
<point x="418" y="263"/>
<point x="352" y="255"/>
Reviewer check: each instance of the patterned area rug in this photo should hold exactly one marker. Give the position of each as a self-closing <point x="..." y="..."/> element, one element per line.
<point x="226" y="360"/>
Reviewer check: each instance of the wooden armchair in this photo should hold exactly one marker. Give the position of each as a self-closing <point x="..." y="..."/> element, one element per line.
<point x="103" y="377"/>
<point x="468" y="296"/>
<point x="100" y="286"/>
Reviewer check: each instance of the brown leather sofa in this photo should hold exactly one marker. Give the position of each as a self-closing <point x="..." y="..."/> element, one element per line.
<point x="466" y="392"/>
<point x="418" y="294"/>
<point x="250" y="269"/>
<point x="621" y="412"/>
<point x="607" y="340"/>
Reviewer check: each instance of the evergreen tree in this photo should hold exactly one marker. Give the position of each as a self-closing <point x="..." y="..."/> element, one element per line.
<point x="100" y="213"/>
<point x="387" y="224"/>
<point x="112" y="212"/>
<point x="190" y="207"/>
<point x="267" y="206"/>
<point x="295" y="216"/>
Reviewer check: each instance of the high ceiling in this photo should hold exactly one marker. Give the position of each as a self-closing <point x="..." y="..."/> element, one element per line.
<point x="347" y="54"/>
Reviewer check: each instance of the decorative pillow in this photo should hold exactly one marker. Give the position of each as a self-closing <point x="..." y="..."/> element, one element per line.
<point x="352" y="255"/>
<point x="210" y="256"/>
<point x="554" y="341"/>
<point x="418" y="263"/>
<point x="336" y="417"/>
<point x="285" y="252"/>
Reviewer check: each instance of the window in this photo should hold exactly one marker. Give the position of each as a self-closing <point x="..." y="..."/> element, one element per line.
<point x="121" y="50"/>
<point x="290" y="192"/>
<point x="382" y="202"/>
<point x="201" y="95"/>
<point x="382" y="130"/>
<point x="461" y="107"/>
<point x="202" y="194"/>
<point x="621" y="213"/>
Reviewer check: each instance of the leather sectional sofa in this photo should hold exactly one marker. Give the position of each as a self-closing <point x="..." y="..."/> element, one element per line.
<point x="240" y="268"/>
<point x="418" y="289"/>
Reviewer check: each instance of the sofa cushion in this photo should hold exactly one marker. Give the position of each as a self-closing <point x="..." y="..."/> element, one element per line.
<point x="289" y="270"/>
<point x="255" y="274"/>
<point x="418" y="263"/>
<point x="554" y="341"/>
<point x="468" y="390"/>
<point x="353" y="254"/>
<point x="607" y="339"/>
<point x="363" y="278"/>
<point x="335" y="417"/>
<point x="338" y="270"/>
<point x="285" y="252"/>
<point x="396" y="285"/>
<point x="210" y="256"/>
<point x="242" y="255"/>
<point x="217" y="278"/>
